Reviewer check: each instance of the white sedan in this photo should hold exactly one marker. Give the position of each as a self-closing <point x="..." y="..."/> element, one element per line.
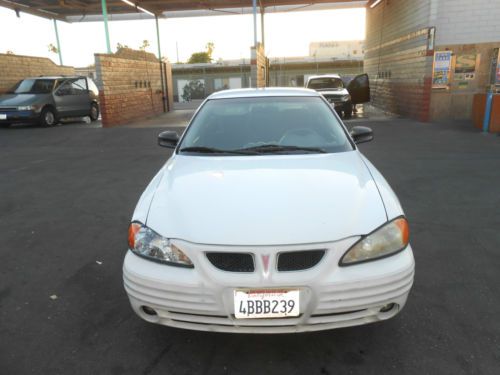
<point x="267" y="219"/>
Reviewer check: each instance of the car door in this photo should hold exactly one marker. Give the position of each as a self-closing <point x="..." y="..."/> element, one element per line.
<point x="81" y="97"/>
<point x="359" y="89"/>
<point x="64" y="99"/>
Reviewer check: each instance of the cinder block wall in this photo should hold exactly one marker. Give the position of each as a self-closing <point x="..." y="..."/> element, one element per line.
<point x="129" y="86"/>
<point x="456" y="102"/>
<point x="396" y="57"/>
<point x="466" y="21"/>
<point x="13" y="68"/>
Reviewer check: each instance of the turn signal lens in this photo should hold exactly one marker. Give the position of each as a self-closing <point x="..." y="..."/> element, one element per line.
<point x="133" y="229"/>
<point x="146" y="243"/>
<point x="384" y="241"/>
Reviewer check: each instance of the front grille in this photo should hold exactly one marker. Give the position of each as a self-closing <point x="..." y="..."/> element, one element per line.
<point x="299" y="260"/>
<point x="333" y="98"/>
<point x="232" y="262"/>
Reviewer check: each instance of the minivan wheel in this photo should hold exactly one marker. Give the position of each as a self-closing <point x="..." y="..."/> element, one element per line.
<point x="48" y="117"/>
<point x="94" y="112"/>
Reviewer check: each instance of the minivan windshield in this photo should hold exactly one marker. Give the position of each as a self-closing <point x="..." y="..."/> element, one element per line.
<point x="265" y="125"/>
<point x="325" y="83"/>
<point x="33" y="86"/>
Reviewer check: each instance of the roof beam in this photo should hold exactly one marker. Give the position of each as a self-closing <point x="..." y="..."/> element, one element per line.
<point x="71" y="10"/>
<point x="27" y="9"/>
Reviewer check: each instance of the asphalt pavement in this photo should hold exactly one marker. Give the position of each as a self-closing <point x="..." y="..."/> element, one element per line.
<point x="66" y="198"/>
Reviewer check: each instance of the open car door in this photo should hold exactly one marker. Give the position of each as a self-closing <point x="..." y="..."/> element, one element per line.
<point x="359" y="89"/>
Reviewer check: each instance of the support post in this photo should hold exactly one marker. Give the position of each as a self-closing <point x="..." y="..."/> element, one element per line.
<point x="58" y="43"/>
<point x="158" y="37"/>
<point x="105" y="17"/>
<point x="487" y="113"/>
<point x="162" y="70"/>
<point x="262" y="25"/>
<point x="254" y="3"/>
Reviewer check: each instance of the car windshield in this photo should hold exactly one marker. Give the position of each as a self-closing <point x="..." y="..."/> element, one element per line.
<point x="33" y="86"/>
<point x="259" y="125"/>
<point x="325" y="83"/>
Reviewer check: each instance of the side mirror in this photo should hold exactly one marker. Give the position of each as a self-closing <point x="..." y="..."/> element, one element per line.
<point x="168" y="139"/>
<point x="361" y="134"/>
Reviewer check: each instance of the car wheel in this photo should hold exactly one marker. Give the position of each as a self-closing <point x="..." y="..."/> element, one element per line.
<point x="348" y="113"/>
<point x="94" y="112"/>
<point x="48" y="117"/>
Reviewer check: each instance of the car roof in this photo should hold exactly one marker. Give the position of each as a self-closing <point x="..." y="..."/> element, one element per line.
<point x="324" y="76"/>
<point x="261" y="92"/>
<point x="54" y="77"/>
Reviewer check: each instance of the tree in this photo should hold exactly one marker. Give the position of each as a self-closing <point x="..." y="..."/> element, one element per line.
<point x="120" y="46"/>
<point x="193" y="90"/>
<point x="202" y="57"/>
<point x="145" y="44"/>
<point x="52" y="48"/>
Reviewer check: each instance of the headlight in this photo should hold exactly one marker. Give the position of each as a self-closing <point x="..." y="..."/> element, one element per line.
<point x="148" y="244"/>
<point x="346" y="98"/>
<point x="389" y="239"/>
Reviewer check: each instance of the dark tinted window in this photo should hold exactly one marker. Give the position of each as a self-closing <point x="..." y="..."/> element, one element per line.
<point x="236" y="124"/>
<point x="33" y="86"/>
<point x="325" y="83"/>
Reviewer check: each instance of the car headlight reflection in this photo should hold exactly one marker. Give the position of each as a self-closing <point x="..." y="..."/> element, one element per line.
<point x="346" y="98"/>
<point x="146" y="243"/>
<point x="386" y="240"/>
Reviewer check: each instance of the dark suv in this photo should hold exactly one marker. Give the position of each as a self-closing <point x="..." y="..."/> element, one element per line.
<point x="45" y="100"/>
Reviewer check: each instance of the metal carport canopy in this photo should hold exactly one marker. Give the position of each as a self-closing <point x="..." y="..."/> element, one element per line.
<point x="91" y="10"/>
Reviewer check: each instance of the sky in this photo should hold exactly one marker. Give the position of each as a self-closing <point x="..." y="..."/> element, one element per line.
<point x="286" y="34"/>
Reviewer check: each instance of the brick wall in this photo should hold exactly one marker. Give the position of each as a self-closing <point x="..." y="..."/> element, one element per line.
<point x="13" y="68"/>
<point x="396" y="57"/>
<point x="258" y="66"/>
<point x="129" y="86"/>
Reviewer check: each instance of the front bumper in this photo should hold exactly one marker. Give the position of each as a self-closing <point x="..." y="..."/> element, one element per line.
<point x="342" y="106"/>
<point x="330" y="296"/>
<point x="18" y="116"/>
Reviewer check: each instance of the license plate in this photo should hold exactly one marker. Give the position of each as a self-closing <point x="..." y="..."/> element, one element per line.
<point x="3" y="116"/>
<point x="267" y="303"/>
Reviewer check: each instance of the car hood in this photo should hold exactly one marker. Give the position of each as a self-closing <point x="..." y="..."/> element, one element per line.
<point x="19" y="99"/>
<point x="266" y="200"/>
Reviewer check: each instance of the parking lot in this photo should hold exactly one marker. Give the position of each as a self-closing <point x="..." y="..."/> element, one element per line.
<point x="66" y="197"/>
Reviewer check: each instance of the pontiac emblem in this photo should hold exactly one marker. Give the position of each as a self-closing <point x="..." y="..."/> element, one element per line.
<point x="265" y="263"/>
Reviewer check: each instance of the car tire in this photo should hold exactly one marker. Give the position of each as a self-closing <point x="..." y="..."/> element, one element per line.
<point x="48" y="118"/>
<point x="348" y="113"/>
<point x="94" y="112"/>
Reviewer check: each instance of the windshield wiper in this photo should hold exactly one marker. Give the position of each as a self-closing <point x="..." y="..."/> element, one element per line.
<point x="211" y="150"/>
<point x="271" y="148"/>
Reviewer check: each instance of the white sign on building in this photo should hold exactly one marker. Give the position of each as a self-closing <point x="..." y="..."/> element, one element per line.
<point x="342" y="50"/>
